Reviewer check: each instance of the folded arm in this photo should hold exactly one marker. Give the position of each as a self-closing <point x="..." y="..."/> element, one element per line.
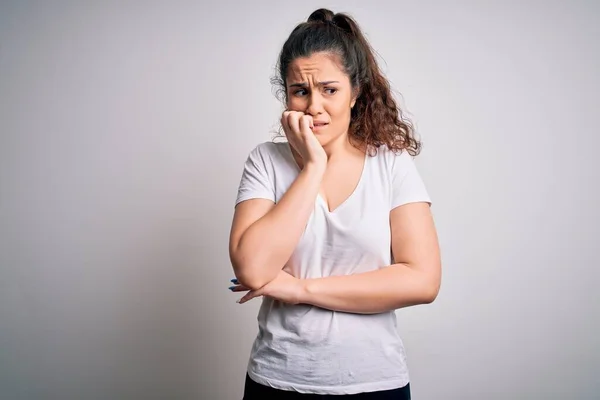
<point x="264" y="235"/>
<point x="414" y="279"/>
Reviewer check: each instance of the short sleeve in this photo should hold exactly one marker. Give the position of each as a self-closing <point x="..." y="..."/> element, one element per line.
<point x="255" y="182"/>
<point x="407" y="185"/>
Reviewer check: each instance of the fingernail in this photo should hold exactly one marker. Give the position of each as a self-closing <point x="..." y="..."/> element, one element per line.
<point x="231" y="287"/>
<point x="234" y="280"/>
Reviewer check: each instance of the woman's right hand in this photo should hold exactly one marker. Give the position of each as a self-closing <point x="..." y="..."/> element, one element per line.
<point x="298" y="130"/>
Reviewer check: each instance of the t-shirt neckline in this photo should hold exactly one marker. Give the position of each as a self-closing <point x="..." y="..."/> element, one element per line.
<point x="319" y="197"/>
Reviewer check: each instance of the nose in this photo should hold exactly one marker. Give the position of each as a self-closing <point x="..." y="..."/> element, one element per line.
<point x="315" y="104"/>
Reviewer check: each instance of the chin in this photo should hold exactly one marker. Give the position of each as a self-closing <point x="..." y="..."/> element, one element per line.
<point x="324" y="140"/>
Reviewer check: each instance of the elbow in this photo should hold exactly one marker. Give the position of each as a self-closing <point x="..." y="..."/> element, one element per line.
<point x="249" y="272"/>
<point x="430" y="291"/>
<point x="251" y="281"/>
<point x="429" y="297"/>
<point x="250" y="277"/>
<point x="431" y="282"/>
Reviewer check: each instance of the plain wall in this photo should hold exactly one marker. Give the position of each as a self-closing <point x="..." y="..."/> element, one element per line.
<point x="123" y="131"/>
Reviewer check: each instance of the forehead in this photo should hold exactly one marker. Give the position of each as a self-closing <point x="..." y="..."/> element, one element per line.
<point x="322" y="66"/>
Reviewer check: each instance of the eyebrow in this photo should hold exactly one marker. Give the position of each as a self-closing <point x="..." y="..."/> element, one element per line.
<point x="304" y="84"/>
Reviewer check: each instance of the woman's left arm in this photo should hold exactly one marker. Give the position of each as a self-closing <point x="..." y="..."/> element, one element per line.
<point x="414" y="279"/>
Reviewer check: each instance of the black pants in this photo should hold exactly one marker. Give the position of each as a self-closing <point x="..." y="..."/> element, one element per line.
<point x="256" y="391"/>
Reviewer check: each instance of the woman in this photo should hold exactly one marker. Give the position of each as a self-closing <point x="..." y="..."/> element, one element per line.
<point x="333" y="227"/>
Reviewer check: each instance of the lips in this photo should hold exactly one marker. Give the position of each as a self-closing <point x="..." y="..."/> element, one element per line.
<point x="319" y="123"/>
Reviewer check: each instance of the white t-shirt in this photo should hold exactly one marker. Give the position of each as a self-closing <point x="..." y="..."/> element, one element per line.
<point x="310" y="349"/>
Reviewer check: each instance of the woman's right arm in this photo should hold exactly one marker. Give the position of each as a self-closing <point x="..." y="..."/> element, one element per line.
<point x="264" y="234"/>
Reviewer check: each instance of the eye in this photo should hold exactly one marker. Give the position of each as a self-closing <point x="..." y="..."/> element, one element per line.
<point x="330" y="90"/>
<point x="300" y="92"/>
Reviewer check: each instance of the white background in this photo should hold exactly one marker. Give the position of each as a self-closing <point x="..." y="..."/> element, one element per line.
<point x="123" y="131"/>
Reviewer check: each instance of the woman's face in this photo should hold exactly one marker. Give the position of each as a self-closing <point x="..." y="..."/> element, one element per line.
<point x="318" y="87"/>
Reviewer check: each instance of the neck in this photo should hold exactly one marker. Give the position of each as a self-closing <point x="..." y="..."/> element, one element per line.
<point x="340" y="148"/>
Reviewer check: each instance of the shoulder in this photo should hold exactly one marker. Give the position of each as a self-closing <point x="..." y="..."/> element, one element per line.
<point x="266" y="150"/>
<point x="394" y="162"/>
<point x="406" y="183"/>
<point x="270" y="155"/>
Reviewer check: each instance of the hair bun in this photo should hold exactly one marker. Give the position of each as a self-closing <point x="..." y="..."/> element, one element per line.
<point x="341" y="21"/>
<point x="326" y="16"/>
<point x="322" y="15"/>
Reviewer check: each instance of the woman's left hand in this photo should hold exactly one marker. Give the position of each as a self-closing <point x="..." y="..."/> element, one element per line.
<point x="284" y="287"/>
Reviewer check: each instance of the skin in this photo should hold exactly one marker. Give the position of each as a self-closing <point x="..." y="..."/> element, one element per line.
<point x="264" y="234"/>
<point x="318" y="90"/>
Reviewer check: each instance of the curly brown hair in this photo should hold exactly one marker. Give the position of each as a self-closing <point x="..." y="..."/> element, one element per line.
<point x="376" y="119"/>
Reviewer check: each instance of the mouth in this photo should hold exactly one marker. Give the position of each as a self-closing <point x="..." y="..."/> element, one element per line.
<point x="319" y="125"/>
